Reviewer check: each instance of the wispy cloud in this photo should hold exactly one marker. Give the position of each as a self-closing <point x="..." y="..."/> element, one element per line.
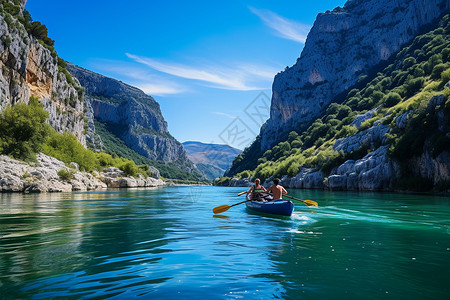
<point x="159" y="89"/>
<point x="243" y="77"/>
<point x="224" y="114"/>
<point x="140" y="78"/>
<point x="283" y="27"/>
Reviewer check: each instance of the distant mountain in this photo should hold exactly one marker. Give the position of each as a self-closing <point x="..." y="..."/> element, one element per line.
<point x="212" y="159"/>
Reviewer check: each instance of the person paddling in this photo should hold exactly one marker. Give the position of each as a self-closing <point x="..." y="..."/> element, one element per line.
<point x="255" y="189"/>
<point x="277" y="190"/>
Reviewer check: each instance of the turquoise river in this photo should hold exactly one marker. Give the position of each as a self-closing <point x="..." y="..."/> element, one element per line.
<point x="165" y="243"/>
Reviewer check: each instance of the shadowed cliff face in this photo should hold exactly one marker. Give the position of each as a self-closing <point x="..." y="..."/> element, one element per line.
<point x="342" y="46"/>
<point x="134" y="117"/>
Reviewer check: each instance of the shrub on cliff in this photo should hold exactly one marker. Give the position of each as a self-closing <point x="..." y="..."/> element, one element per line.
<point x="66" y="148"/>
<point x="23" y="129"/>
<point x="129" y="168"/>
<point x="391" y="99"/>
<point x="65" y="175"/>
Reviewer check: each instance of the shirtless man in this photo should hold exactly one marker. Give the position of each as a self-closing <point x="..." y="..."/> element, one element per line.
<point x="277" y="190"/>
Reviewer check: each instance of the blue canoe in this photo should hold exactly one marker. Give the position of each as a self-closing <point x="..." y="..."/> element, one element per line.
<point x="276" y="207"/>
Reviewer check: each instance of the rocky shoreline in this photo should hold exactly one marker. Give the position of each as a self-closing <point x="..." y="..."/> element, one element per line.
<point x="42" y="176"/>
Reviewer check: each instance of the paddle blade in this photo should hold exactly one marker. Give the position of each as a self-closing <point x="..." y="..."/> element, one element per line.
<point x="310" y="203"/>
<point x="242" y="193"/>
<point x="221" y="209"/>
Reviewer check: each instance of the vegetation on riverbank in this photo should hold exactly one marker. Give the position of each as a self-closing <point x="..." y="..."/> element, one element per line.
<point x="24" y="133"/>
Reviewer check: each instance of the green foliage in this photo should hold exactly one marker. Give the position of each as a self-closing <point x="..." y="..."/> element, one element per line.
<point x="413" y="85"/>
<point x="391" y="99"/>
<point x="445" y="76"/>
<point x="244" y="174"/>
<point x="145" y="170"/>
<point x="7" y="41"/>
<point x="293" y="169"/>
<point x="130" y="168"/>
<point x="296" y="144"/>
<point x="222" y="181"/>
<point x="23" y="129"/>
<point x="437" y="70"/>
<point x="66" y="148"/>
<point x="409" y="62"/>
<point x="346" y="130"/>
<point x="40" y="32"/>
<point x="65" y="174"/>
<point x="292" y="136"/>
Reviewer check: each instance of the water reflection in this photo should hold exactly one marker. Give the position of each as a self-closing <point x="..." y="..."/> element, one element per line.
<point x="166" y="243"/>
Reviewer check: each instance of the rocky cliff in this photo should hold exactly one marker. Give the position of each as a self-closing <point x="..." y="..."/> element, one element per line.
<point x="131" y="115"/>
<point x="29" y="67"/>
<point x="390" y="131"/>
<point x="343" y="45"/>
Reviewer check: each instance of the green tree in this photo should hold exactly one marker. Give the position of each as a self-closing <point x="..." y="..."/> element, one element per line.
<point x="67" y="148"/>
<point x="23" y="129"/>
<point x="391" y="99"/>
<point x="130" y="168"/>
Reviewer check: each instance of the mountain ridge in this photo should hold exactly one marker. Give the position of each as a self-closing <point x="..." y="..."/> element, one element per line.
<point x="212" y="159"/>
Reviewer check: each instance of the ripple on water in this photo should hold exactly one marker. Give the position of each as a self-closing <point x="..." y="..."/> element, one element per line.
<point x="167" y="244"/>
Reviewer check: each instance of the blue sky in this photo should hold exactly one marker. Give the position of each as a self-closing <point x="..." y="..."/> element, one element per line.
<point x="205" y="62"/>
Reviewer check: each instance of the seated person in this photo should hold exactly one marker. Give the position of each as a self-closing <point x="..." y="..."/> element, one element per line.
<point x="257" y="191"/>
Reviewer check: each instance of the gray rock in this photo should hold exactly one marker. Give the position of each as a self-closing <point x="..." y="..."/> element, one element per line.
<point x="359" y="119"/>
<point x="375" y="171"/>
<point x="113" y="172"/>
<point x="337" y="182"/>
<point x="240" y="182"/>
<point x="374" y="135"/>
<point x="42" y="177"/>
<point x="86" y="182"/>
<point x="435" y="101"/>
<point x="436" y="169"/>
<point x="48" y="186"/>
<point x="11" y="183"/>
<point x="114" y="178"/>
<point x="400" y="121"/>
<point x="313" y="180"/>
<point x="307" y="178"/>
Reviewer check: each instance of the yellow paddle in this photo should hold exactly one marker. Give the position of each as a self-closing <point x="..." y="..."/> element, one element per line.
<point x="306" y="202"/>
<point x="222" y="208"/>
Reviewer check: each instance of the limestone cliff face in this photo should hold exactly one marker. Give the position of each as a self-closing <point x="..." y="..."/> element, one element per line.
<point x="135" y="117"/>
<point x="342" y="45"/>
<point x="29" y="69"/>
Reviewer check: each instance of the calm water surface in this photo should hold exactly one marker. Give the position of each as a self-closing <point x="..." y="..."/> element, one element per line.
<point x="166" y="243"/>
